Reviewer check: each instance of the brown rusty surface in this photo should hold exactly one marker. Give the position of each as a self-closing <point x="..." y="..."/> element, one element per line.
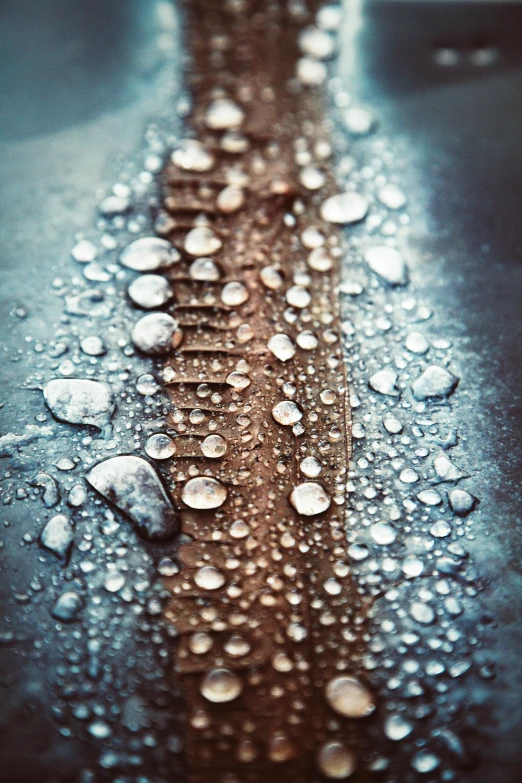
<point x="296" y="636"/>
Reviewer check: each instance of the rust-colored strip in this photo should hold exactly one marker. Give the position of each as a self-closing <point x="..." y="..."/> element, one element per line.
<point x="279" y="611"/>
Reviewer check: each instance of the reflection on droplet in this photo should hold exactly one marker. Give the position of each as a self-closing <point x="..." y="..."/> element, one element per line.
<point x="287" y="413"/>
<point x="349" y="697"/>
<point x="282" y="347"/>
<point x="203" y="493"/>
<point x="335" y="761"/>
<point x="209" y="578"/>
<point x="220" y="686"/>
<point x="309" y="499"/>
<point x="214" y="446"/>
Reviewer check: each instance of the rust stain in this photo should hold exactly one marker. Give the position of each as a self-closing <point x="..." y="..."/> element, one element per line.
<point x="264" y="603"/>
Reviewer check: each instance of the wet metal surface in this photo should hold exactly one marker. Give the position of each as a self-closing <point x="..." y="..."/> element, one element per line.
<point x="456" y="121"/>
<point x="80" y="81"/>
<point x="443" y="80"/>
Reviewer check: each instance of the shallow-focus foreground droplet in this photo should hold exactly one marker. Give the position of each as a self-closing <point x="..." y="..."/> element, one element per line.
<point x="388" y="263"/>
<point x="202" y="241"/>
<point x="191" y="155"/>
<point x="220" y="686"/>
<point x="282" y="347"/>
<point x="79" y="401"/>
<point x="149" y="291"/>
<point x="344" y="208"/>
<point x="335" y="761"/>
<point x="156" y="334"/>
<point x="134" y="487"/>
<point x="349" y="697"/>
<point x="149" y="254"/>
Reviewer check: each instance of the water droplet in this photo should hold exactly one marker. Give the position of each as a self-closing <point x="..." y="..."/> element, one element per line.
<point x="391" y="196"/>
<point x="134" y="487"/>
<point x="271" y="278"/>
<point x="461" y="502"/>
<point x="234" y="294"/>
<point x="224" y="114"/>
<point x="383" y="533"/>
<point x="310" y="467"/>
<point x="160" y="446"/>
<point x="425" y="762"/>
<point x="57" y="536"/>
<point x="280" y="749"/>
<point x="156" y="334"/>
<point x="282" y="347"/>
<point x="417" y="343"/>
<point x="408" y="476"/>
<point x="385" y="382"/>
<point x="412" y="566"/>
<point x="359" y="121"/>
<point x="440" y="529"/>
<point x="191" y="155"/>
<point x="220" y="686"/>
<point x="149" y="254"/>
<point x="113" y="582"/>
<point x="66" y="607"/>
<point x="200" y="643"/>
<point x="204" y="269"/>
<point x="93" y="346"/>
<point x="344" y="208"/>
<point x="202" y="241"/>
<point x="388" y="263"/>
<point x="230" y="199"/>
<point x="287" y="413"/>
<point x="214" y="446"/>
<point x="297" y="296"/>
<point x="397" y="728"/>
<point x="209" y="578"/>
<point x="149" y="291"/>
<point x="429" y="497"/>
<point x="79" y="401"/>
<point x="446" y="470"/>
<point x="147" y="385"/>
<point x="307" y="341"/>
<point x="238" y="380"/>
<point x="335" y="761"/>
<point x="311" y="178"/>
<point x="316" y="43"/>
<point x="237" y="647"/>
<point x="310" y="72"/>
<point x="392" y="425"/>
<point x="309" y="499"/>
<point x="320" y="260"/>
<point x="84" y="251"/>
<point x="203" y="493"/>
<point x="434" y="382"/>
<point x="422" y="613"/>
<point x="114" y="205"/>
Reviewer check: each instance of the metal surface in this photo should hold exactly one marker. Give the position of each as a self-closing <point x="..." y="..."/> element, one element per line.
<point x="79" y="90"/>
<point x="458" y="128"/>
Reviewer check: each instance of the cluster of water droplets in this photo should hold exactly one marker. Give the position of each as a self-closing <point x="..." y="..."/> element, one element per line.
<point x="101" y="589"/>
<point x="409" y="512"/>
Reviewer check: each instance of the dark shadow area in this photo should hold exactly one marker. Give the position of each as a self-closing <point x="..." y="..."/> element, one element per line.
<point x="64" y="62"/>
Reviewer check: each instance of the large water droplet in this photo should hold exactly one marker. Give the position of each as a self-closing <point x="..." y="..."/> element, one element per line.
<point x="203" y="493"/>
<point x="349" y="697"/>
<point x="220" y="686"/>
